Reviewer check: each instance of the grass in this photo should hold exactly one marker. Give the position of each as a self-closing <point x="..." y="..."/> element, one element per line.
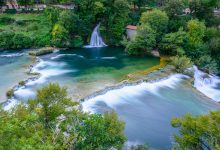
<point x="32" y="24"/>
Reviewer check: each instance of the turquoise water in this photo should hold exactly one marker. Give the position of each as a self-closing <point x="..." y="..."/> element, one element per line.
<point x="146" y="108"/>
<point x="13" y="67"/>
<point x="84" y="71"/>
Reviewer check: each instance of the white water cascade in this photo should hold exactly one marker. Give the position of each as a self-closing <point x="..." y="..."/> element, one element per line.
<point x="207" y="84"/>
<point x="96" y="39"/>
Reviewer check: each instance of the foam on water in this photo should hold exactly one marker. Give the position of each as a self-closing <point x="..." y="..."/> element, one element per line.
<point x="24" y="93"/>
<point x="207" y="84"/>
<point x="127" y="94"/>
<point x="10" y="104"/>
<point x="47" y="69"/>
<point x="63" y="55"/>
<point x="12" y="55"/>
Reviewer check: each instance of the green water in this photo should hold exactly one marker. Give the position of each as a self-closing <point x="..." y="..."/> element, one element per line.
<point x="85" y="71"/>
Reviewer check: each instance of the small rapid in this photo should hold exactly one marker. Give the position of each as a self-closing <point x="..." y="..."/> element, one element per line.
<point x="207" y="84"/>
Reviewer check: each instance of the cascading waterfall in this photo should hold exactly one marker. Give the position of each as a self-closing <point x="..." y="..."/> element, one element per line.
<point x="207" y="84"/>
<point x="96" y="39"/>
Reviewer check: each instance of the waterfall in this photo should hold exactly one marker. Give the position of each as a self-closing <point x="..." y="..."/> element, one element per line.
<point x="207" y="84"/>
<point x="96" y="39"/>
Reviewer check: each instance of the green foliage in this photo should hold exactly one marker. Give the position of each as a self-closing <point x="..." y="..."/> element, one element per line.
<point x="196" y="31"/>
<point x="52" y="101"/>
<point x="53" y="121"/>
<point x="77" y="41"/>
<point x="174" y="8"/>
<point x="177" y="22"/>
<point x="144" y="41"/>
<point x="199" y="132"/>
<point x="207" y="64"/>
<point x="6" y="20"/>
<point x="101" y="132"/>
<point x="6" y="39"/>
<point x="10" y="11"/>
<point x="180" y="64"/>
<point x="157" y="19"/>
<point x="52" y="15"/>
<point x="59" y="35"/>
<point x="172" y="43"/>
<point x="21" y="41"/>
<point x="203" y="9"/>
<point x="68" y="19"/>
<point x="10" y="93"/>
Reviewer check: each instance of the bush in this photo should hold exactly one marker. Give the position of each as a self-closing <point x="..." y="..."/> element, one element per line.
<point x="20" y="22"/>
<point x="42" y="40"/>
<point x="144" y="41"/>
<point x="21" y="83"/>
<point x="32" y="27"/>
<point x="21" y="41"/>
<point x="77" y="41"/>
<point x="6" y="40"/>
<point x="180" y="64"/>
<point x="172" y="43"/>
<point x="6" y="20"/>
<point x="10" y="11"/>
<point x="10" y="93"/>
<point x="207" y="64"/>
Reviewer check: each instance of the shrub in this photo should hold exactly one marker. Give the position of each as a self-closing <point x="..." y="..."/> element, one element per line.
<point x="20" y="22"/>
<point x="10" y="93"/>
<point x="180" y="64"/>
<point x="21" y="83"/>
<point x="144" y="41"/>
<point x="21" y="41"/>
<point x="6" y="39"/>
<point x="41" y="40"/>
<point x="32" y="27"/>
<point x="6" y="20"/>
<point x="77" y="41"/>
<point x="172" y="43"/>
<point x="207" y="64"/>
<point x="10" y="11"/>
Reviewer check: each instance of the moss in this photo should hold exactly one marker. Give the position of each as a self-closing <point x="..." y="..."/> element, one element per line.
<point x="163" y="62"/>
<point x="21" y="83"/>
<point x="10" y="93"/>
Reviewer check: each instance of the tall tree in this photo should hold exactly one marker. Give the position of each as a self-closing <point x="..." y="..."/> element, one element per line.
<point x="158" y="20"/>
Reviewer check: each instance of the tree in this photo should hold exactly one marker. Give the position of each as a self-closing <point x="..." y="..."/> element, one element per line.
<point x="144" y="41"/>
<point x="174" y="8"/>
<point x="172" y="43"/>
<point x="158" y="21"/>
<point x="196" y="31"/>
<point x="51" y="101"/>
<point x="59" y="35"/>
<point x="180" y="64"/>
<point x="203" y="9"/>
<point x="198" y="132"/>
<point x="101" y="132"/>
<point x="207" y="64"/>
<point x="54" y="121"/>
